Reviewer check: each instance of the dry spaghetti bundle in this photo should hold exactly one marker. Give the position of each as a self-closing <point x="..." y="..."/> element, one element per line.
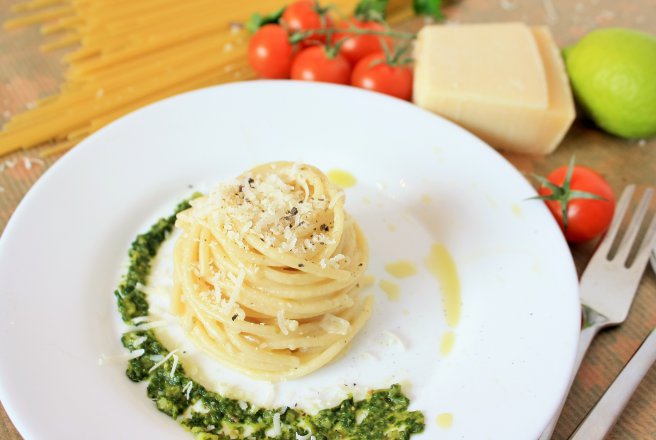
<point x="267" y="272"/>
<point x="126" y="54"/>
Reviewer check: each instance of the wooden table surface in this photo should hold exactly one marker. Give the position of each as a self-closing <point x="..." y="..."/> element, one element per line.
<point x="26" y="75"/>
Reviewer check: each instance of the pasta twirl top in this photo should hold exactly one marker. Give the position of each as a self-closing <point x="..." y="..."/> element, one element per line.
<point x="268" y="270"/>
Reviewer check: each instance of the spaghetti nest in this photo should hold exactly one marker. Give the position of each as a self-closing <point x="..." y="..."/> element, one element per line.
<point x="267" y="272"/>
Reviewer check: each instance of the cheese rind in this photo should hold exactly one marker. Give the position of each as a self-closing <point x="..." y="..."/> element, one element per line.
<point x="488" y="79"/>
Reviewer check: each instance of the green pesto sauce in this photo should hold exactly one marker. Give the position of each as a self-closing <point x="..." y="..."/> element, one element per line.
<point x="210" y="416"/>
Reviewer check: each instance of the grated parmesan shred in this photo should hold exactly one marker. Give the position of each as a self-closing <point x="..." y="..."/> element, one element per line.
<point x="160" y="363"/>
<point x="234" y="297"/>
<point x="148" y="326"/>
<point x="281" y="322"/>
<point x="140" y="340"/>
<point x="334" y="324"/>
<point x="103" y="360"/>
<point x="275" y="208"/>
<point x="187" y="389"/>
<point x="277" y="426"/>
<point x="393" y="338"/>
<point x="174" y="366"/>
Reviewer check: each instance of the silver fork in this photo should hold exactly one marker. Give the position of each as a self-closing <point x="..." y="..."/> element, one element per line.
<point x="609" y="282"/>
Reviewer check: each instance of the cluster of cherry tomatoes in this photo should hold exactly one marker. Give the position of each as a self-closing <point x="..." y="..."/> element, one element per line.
<point x="306" y="44"/>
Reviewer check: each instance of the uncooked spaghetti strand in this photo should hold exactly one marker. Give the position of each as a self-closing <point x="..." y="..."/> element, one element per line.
<point x="37" y="18"/>
<point x="34" y="5"/>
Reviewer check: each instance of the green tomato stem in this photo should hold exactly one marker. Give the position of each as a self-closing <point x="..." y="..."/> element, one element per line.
<point x="299" y="35"/>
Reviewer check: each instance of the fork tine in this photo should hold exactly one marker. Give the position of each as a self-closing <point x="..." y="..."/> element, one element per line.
<point x="647" y="245"/>
<point x="620" y="212"/>
<point x="634" y="227"/>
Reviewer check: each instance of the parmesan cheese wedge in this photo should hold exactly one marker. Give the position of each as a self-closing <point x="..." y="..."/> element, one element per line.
<point x="504" y="82"/>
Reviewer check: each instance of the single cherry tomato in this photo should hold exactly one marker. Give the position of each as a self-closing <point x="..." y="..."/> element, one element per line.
<point x="270" y="53"/>
<point x="304" y="15"/>
<point x="356" y="47"/>
<point x="374" y="73"/>
<point x="588" y="200"/>
<point x="316" y="63"/>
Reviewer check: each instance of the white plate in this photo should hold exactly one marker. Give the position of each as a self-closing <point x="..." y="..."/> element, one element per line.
<point x="62" y="252"/>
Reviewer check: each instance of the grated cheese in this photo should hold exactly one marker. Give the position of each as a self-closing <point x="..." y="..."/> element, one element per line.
<point x="160" y="363"/>
<point x="149" y="326"/>
<point x="393" y="338"/>
<point x="334" y="261"/>
<point x="140" y="340"/>
<point x="275" y="207"/>
<point x="361" y="415"/>
<point x="277" y="427"/>
<point x="239" y="281"/>
<point x="174" y="366"/>
<point x="103" y="360"/>
<point x="187" y="389"/>
<point x="334" y="324"/>
<point x="281" y="322"/>
<point x="139" y="319"/>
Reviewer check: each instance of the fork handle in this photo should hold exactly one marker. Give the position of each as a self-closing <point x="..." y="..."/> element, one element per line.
<point x="585" y="339"/>
<point x="605" y="413"/>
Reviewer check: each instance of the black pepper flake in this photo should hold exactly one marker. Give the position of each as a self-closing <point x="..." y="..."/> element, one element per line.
<point x="250" y="182"/>
<point x="325" y="228"/>
<point x="294" y="211"/>
<point x="360" y="265"/>
<point x="301" y="265"/>
<point x="234" y="317"/>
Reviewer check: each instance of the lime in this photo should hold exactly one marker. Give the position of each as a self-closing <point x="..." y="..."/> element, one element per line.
<point x="613" y="74"/>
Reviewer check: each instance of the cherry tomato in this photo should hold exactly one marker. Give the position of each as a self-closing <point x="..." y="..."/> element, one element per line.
<point x="302" y="15"/>
<point x="270" y="53"/>
<point x="315" y="64"/>
<point x="356" y="47"/>
<point x="373" y="73"/>
<point x="586" y="218"/>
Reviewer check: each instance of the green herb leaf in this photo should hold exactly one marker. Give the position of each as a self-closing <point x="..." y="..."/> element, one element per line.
<point x="258" y="20"/>
<point x="370" y="10"/>
<point x="431" y="8"/>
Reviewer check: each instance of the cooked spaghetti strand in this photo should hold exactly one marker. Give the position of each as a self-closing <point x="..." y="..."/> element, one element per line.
<point x="268" y="270"/>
